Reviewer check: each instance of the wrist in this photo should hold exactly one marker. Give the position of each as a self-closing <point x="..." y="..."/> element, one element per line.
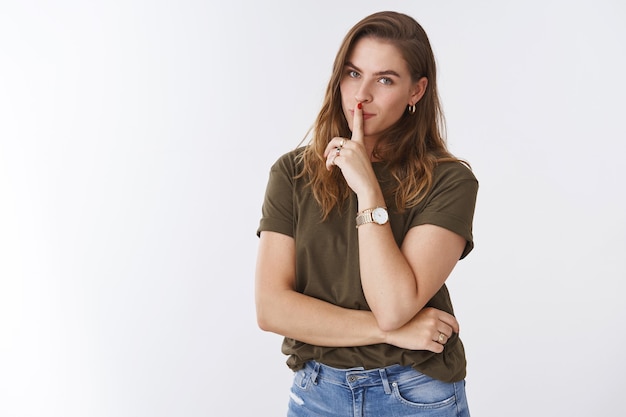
<point x="378" y="215"/>
<point x="372" y="197"/>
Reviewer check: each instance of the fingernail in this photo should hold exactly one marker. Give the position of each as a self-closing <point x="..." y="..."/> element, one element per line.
<point x="359" y="106"/>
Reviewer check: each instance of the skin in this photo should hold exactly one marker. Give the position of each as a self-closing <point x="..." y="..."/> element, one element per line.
<point x="397" y="282"/>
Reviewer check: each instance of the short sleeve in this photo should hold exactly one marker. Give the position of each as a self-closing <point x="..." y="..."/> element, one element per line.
<point x="451" y="202"/>
<point x="277" y="213"/>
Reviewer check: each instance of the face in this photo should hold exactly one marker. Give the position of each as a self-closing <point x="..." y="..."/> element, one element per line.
<point x="377" y="75"/>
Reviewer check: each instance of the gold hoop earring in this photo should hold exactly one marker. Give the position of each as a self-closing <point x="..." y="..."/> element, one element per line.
<point x="411" y="109"/>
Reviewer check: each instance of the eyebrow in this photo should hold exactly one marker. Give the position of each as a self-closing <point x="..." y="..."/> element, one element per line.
<point x="385" y="72"/>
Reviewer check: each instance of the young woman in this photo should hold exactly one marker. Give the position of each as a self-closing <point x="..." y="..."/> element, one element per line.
<point x="360" y="230"/>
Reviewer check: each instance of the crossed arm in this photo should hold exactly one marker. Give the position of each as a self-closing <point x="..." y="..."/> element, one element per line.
<point x="282" y="310"/>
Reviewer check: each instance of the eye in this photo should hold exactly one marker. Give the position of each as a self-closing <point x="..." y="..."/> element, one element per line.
<point x="385" y="81"/>
<point x="353" y="74"/>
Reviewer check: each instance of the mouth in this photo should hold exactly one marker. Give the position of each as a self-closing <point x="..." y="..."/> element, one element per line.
<point x="365" y="115"/>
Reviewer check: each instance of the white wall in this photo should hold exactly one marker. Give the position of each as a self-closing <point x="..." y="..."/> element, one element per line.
<point x="135" y="141"/>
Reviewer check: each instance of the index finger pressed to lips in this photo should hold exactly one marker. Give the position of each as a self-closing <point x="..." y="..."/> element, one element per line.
<point x="357" y="123"/>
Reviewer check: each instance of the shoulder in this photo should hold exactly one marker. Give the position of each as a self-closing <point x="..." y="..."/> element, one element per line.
<point x="453" y="180"/>
<point x="289" y="162"/>
<point x="453" y="171"/>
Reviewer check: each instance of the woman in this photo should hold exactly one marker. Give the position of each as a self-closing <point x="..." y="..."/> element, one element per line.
<point x="359" y="232"/>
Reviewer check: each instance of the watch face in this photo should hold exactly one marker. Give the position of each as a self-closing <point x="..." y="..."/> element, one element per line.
<point x="380" y="216"/>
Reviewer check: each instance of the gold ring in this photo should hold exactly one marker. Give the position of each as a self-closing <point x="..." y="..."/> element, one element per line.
<point x="441" y="337"/>
<point x="343" y="142"/>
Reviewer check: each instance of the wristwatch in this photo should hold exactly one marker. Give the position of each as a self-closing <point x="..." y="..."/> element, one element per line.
<point x="376" y="215"/>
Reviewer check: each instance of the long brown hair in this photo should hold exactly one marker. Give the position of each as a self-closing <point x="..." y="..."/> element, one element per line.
<point x="411" y="148"/>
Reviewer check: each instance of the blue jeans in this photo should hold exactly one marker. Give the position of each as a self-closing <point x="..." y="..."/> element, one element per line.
<point x="321" y="391"/>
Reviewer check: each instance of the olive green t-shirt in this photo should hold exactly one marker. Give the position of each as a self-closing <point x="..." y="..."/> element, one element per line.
<point x="327" y="258"/>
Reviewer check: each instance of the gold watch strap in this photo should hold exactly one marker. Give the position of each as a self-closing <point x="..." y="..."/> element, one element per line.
<point x="364" y="217"/>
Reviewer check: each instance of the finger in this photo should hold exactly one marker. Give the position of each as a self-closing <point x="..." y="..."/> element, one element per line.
<point x="434" y="347"/>
<point x="450" y="320"/>
<point x="441" y="338"/>
<point x="357" y="123"/>
<point x="446" y="330"/>
<point x="330" y="161"/>
<point x="334" y="143"/>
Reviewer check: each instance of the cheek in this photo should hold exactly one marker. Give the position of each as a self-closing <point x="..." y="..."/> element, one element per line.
<point x="345" y="105"/>
<point x="344" y="95"/>
<point x="395" y="108"/>
<point x="400" y="103"/>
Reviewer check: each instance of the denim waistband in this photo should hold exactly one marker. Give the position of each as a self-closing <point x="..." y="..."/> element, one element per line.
<point x="359" y="376"/>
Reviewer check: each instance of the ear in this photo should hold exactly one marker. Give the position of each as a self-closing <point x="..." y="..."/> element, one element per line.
<point x="418" y="90"/>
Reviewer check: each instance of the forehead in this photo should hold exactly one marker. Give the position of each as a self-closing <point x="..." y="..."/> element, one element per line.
<point x="375" y="55"/>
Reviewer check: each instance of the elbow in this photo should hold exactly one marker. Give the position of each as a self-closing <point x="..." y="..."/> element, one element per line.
<point x="390" y="317"/>
<point x="272" y="310"/>
<point x="390" y="322"/>
<point x="266" y="317"/>
<point x="262" y="320"/>
<point x="264" y="323"/>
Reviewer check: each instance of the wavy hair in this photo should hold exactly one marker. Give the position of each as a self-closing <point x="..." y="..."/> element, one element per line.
<point x="411" y="148"/>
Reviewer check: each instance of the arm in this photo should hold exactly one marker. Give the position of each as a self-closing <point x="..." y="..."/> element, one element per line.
<point x="282" y="310"/>
<point x="397" y="282"/>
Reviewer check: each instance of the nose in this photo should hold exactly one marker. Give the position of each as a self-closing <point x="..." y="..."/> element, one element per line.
<point x="363" y="94"/>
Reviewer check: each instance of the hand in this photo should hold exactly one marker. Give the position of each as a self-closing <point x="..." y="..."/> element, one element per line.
<point x="352" y="158"/>
<point x="429" y="330"/>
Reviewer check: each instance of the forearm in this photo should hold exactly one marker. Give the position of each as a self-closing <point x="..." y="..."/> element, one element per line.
<point x="316" y="322"/>
<point x="388" y="281"/>
<point x="282" y="310"/>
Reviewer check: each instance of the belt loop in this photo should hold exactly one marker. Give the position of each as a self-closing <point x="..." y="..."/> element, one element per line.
<point x="316" y="371"/>
<point x="383" y="376"/>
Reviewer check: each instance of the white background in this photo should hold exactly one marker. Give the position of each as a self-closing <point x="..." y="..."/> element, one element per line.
<point x="135" y="141"/>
